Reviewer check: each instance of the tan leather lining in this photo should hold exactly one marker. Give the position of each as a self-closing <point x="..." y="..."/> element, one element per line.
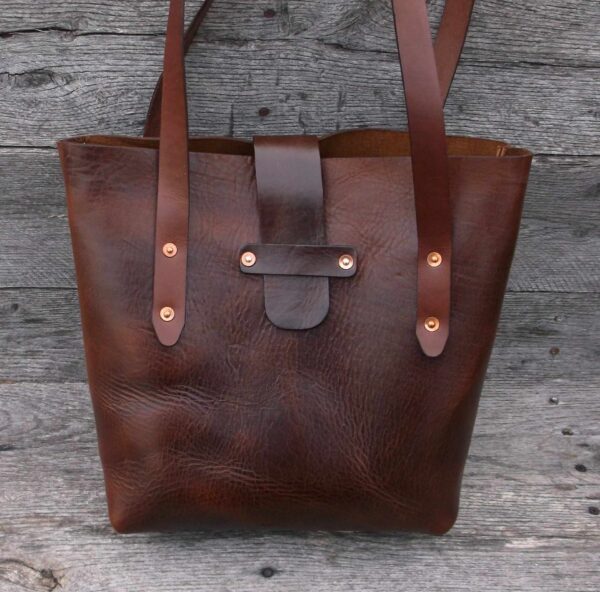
<point x="346" y="144"/>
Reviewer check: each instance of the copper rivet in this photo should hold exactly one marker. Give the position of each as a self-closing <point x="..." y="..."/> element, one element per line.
<point x="170" y="250"/>
<point x="248" y="259"/>
<point x="167" y="314"/>
<point x="434" y="259"/>
<point x="432" y="324"/>
<point x="346" y="262"/>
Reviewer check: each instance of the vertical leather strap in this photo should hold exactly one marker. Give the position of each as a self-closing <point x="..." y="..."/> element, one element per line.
<point x="172" y="208"/>
<point x="289" y="184"/>
<point x="450" y="39"/>
<point x="152" y="126"/>
<point x="430" y="173"/>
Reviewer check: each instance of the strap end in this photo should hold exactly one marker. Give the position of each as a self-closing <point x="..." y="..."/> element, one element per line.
<point x="432" y="343"/>
<point x="168" y="325"/>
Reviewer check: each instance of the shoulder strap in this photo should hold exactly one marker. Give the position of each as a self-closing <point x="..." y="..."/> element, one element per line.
<point x="152" y="126"/>
<point x="429" y="158"/>
<point x="172" y="204"/>
<point x="431" y="185"/>
<point x="450" y="40"/>
<point x="449" y="43"/>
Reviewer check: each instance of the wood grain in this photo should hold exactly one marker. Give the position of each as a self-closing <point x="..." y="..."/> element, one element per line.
<point x="552" y="31"/>
<point x="54" y="84"/>
<point x="530" y="518"/>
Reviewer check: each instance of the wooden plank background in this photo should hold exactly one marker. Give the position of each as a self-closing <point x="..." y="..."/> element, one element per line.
<point x="530" y="75"/>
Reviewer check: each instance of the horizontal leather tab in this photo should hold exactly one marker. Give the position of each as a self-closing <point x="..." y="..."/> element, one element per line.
<point x="301" y="260"/>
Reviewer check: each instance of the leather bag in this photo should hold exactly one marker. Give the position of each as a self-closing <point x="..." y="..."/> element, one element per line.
<point x="292" y="332"/>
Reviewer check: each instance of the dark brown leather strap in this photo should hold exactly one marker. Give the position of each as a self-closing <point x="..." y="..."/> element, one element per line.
<point x="290" y="191"/>
<point x="172" y="208"/>
<point x="309" y="260"/>
<point x="289" y="187"/>
<point x="430" y="173"/>
<point x="451" y="36"/>
<point x="152" y="126"/>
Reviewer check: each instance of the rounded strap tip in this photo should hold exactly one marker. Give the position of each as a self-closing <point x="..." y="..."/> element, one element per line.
<point x="167" y="333"/>
<point x="432" y="343"/>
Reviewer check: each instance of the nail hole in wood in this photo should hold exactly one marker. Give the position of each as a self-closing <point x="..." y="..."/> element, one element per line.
<point x="267" y="572"/>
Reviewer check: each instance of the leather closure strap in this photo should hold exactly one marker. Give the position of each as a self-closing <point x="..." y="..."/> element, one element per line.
<point x="320" y="261"/>
<point x="289" y="187"/>
<point x="172" y="207"/>
<point x="451" y="36"/>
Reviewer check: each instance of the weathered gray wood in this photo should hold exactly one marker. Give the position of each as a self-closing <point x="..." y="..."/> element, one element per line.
<point x="561" y="225"/>
<point x="542" y="337"/>
<point x="62" y="86"/>
<point x="501" y="31"/>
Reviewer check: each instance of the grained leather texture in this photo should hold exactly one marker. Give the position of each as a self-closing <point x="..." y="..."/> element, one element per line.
<point x="292" y="398"/>
<point x="345" y="426"/>
<point x="288" y="175"/>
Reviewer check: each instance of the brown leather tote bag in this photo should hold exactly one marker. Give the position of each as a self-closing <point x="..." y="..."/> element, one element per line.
<point x="292" y="332"/>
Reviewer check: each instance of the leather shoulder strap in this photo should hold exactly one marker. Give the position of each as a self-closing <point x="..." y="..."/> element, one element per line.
<point x="450" y="40"/>
<point x="152" y="126"/>
<point x="429" y="165"/>
<point x="172" y="207"/>
<point x="425" y="110"/>
<point x="449" y="43"/>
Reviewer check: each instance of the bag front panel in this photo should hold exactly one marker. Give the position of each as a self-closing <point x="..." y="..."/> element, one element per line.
<point x="348" y="425"/>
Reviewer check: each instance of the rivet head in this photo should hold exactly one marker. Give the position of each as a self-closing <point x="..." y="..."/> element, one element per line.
<point x="248" y="259"/>
<point x="434" y="259"/>
<point x="169" y="250"/>
<point x="432" y="324"/>
<point x="346" y="262"/>
<point x="167" y="314"/>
